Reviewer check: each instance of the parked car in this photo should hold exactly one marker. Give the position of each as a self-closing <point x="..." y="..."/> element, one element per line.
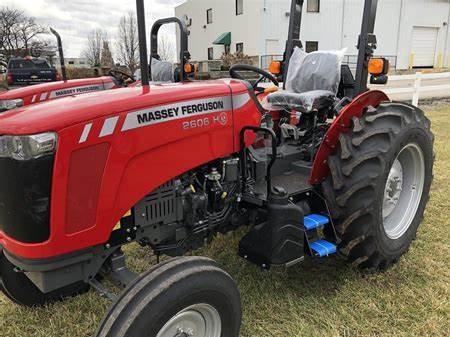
<point x="29" y="70"/>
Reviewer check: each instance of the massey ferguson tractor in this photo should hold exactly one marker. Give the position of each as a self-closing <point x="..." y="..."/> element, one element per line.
<point x="324" y="166"/>
<point x="49" y="91"/>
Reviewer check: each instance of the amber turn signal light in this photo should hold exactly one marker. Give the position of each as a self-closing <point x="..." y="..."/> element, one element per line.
<point x="378" y="66"/>
<point x="189" y="68"/>
<point x="275" y="67"/>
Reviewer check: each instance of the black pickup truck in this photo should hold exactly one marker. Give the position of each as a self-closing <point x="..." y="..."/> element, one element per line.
<point x="26" y="71"/>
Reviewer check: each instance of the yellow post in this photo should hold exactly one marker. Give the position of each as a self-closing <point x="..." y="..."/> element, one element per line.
<point x="411" y="61"/>
<point x="439" y="61"/>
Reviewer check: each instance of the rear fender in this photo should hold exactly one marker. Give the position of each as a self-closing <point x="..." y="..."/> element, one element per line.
<point x="342" y="124"/>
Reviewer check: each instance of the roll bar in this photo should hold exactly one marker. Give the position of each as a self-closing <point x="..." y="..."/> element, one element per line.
<point x="142" y="35"/>
<point x="367" y="43"/>
<point x="293" y="40"/>
<point x="184" y="53"/>
<point x="61" y="54"/>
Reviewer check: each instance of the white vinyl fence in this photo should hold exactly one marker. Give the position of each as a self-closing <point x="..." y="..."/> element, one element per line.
<point x="418" y="88"/>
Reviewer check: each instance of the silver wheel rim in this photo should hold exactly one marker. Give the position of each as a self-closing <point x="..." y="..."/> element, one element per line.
<point x="403" y="191"/>
<point x="198" y="320"/>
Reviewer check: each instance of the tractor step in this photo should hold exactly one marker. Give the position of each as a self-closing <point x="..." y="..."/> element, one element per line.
<point x="323" y="248"/>
<point x="314" y="221"/>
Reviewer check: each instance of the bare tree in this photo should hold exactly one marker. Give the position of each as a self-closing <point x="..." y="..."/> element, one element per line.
<point x="93" y="50"/>
<point x="18" y="31"/>
<point x="127" y="46"/>
<point x="106" y="59"/>
<point x="166" y="49"/>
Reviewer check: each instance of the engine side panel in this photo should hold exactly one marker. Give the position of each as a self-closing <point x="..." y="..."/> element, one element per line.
<point x="147" y="148"/>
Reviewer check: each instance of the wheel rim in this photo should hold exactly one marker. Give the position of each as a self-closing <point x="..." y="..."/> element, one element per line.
<point x="199" y="320"/>
<point x="403" y="191"/>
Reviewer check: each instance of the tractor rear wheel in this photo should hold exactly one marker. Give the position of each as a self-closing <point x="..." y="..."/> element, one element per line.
<point x="379" y="184"/>
<point x="186" y="296"/>
<point x="19" y="288"/>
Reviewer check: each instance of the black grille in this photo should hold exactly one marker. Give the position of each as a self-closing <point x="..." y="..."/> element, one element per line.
<point x="25" y="198"/>
<point x="159" y="206"/>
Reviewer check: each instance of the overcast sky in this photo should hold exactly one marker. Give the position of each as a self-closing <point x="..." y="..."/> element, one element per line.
<point x="74" y="19"/>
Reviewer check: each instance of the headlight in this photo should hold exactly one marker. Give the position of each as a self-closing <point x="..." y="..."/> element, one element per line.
<point x="9" y="104"/>
<point x="27" y="147"/>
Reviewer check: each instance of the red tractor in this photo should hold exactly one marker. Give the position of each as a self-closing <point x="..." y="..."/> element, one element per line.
<point x="62" y="88"/>
<point x="316" y="171"/>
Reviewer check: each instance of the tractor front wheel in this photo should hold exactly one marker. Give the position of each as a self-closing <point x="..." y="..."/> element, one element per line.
<point x="184" y="297"/>
<point x="379" y="184"/>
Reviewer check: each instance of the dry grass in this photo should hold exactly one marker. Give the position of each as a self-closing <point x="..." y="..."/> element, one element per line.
<point x="327" y="298"/>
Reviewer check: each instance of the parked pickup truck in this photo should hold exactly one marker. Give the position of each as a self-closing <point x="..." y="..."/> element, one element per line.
<point x="28" y="70"/>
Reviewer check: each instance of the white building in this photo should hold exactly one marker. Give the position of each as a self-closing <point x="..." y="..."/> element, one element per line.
<point x="411" y="32"/>
<point x="73" y="62"/>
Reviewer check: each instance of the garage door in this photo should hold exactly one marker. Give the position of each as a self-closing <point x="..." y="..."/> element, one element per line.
<point x="424" y="46"/>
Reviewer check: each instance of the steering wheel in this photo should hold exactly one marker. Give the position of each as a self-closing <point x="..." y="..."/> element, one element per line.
<point x="121" y="76"/>
<point x="245" y="67"/>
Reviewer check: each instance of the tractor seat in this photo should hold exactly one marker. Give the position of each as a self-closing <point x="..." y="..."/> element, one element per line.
<point x="305" y="102"/>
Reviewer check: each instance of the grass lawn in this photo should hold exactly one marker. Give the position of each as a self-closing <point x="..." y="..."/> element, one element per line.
<point x="324" y="298"/>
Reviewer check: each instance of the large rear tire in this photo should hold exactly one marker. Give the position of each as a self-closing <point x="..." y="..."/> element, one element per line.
<point x="187" y="296"/>
<point x="379" y="184"/>
<point x="19" y="288"/>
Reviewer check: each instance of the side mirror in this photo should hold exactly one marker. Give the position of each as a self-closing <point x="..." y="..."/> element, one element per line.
<point x="378" y="69"/>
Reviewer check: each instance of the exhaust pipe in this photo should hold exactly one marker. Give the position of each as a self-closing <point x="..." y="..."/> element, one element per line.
<point x="140" y="11"/>
<point x="61" y="54"/>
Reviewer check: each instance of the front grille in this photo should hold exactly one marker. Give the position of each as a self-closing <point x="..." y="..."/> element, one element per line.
<point x="25" y="198"/>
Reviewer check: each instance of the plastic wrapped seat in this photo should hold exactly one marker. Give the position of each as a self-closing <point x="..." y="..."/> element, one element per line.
<point x="162" y="71"/>
<point x="304" y="102"/>
<point x="312" y="81"/>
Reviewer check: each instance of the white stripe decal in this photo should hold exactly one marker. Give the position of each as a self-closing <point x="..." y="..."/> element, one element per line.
<point x="108" y="126"/>
<point x="34" y="99"/>
<point x="240" y="100"/>
<point x="76" y="90"/>
<point x="43" y="95"/>
<point x="85" y="133"/>
<point x="166" y="113"/>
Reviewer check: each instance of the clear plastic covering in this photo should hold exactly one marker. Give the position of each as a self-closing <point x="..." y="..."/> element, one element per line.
<point x="304" y="102"/>
<point x="162" y="71"/>
<point x="312" y="82"/>
<point x="319" y="70"/>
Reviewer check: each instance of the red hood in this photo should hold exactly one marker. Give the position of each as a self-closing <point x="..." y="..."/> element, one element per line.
<point x="58" y="114"/>
<point x="48" y="87"/>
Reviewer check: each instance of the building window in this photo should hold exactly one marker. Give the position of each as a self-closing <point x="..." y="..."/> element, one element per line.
<point x="239" y="7"/>
<point x="211" y="53"/>
<point x="313" y="6"/>
<point x="209" y="16"/>
<point x="239" y="47"/>
<point x="311" y="46"/>
<point x="71" y="62"/>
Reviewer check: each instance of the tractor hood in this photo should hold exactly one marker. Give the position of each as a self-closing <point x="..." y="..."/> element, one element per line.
<point x="51" y="88"/>
<point x="59" y="114"/>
